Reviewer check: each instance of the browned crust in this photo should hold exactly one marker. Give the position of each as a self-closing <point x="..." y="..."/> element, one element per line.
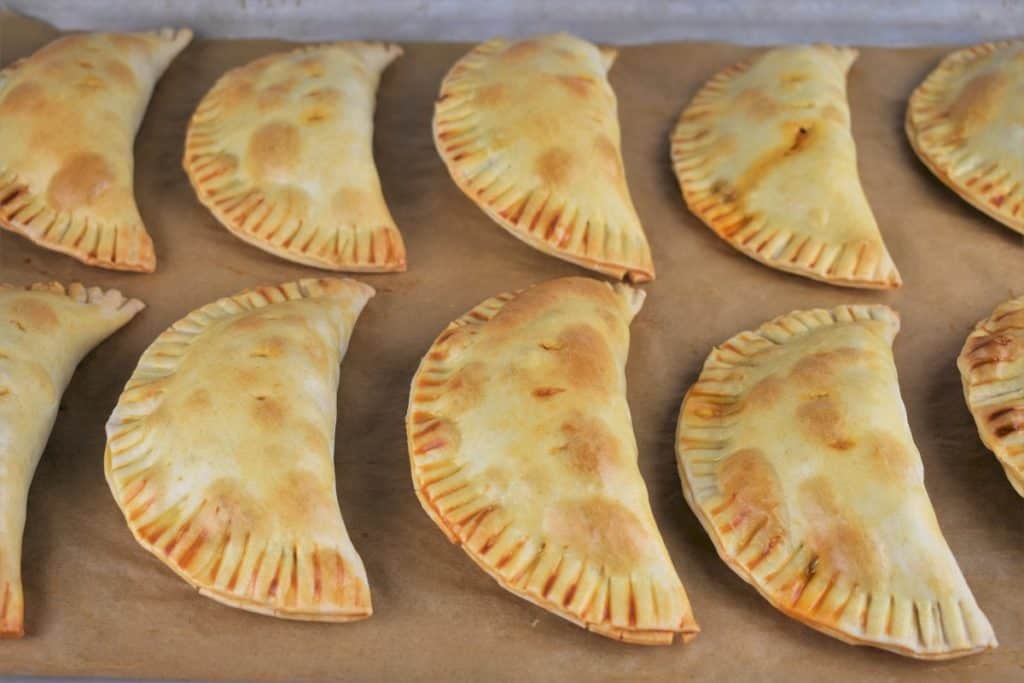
<point x="12" y="608"/>
<point x="993" y="391"/>
<point x="323" y="568"/>
<point x="352" y="597"/>
<point x="469" y="532"/>
<point x="853" y="264"/>
<point x="721" y="407"/>
<point x="22" y="212"/>
<point x="382" y="252"/>
<point x="537" y="229"/>
<point x="984" y="196"/>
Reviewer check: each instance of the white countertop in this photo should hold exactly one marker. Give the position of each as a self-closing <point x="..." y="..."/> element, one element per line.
<point x="866" y="22"/>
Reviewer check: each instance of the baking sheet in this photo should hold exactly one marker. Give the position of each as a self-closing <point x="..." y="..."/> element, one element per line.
<point x="98" y="604"/>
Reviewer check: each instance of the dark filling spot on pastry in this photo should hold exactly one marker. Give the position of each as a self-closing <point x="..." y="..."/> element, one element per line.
<point x="800" y="139"/>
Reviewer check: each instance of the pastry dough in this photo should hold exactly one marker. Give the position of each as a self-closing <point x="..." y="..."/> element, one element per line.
<point x="45" y="330"/>
<point x="529" y="131"/>
<point x="522" y="452"/>
<point x="765" y="157"/>
<point x="220" y="451"/>
<point x="795" y="454"/>
<point x="992" y="369"/>
<point x="966" y="123"/>
<point x="281" y="151"/>
<point x="68" y="118"/>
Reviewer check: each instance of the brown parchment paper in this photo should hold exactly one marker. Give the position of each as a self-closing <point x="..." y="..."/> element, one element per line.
<point x="98" y="604"/>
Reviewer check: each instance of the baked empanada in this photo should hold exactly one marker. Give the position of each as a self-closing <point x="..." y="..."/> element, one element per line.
<point x="966" y="123"/>
<point x="220" y="451"/>
<point x="765" y="157"/>
<point x="795" y="454"/>
<point x="522" y="452"/>
<point x="992" y="369"/>
<point x="45" y="330"/>
<point x="68" y="118"/>
<point x="281" y="151"/>
<point x="529" y="131"/>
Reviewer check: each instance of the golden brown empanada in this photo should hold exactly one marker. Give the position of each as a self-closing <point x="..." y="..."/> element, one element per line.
<point x="966" y="123"/>
<point x="522" y="451"/>
<point x="992" y="369"/>
<point x="765" y="157"/>
<point x="795" y="454"/>
<point x="281" y="151"/>
<point x="45" y="330"/>
<point x="68" y="118"/>
<point x="220" y="451"/>
<point x="529" y="131"/>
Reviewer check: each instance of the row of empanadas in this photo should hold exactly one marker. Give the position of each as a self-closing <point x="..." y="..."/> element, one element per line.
<point x="221" y="449"/>
<point x="280" y="150"/>
<point x="793" y="449"/>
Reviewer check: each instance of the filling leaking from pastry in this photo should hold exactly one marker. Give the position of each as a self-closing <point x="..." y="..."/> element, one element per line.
<point x="765" y="157"/>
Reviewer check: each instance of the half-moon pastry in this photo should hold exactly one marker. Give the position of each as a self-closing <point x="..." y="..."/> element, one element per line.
<point x="45" y="330"/>
<point x="965" y="122"/>
<point x="529" y="131"/>
<point x="68" y="118"/>
<point x="220" y="451"/>
<point x="281" y="151"/>
<point x="522" y="451"/>
<point x="765" y="157"/>
<point x="795" y="454"/>
<point x="992" y="369"/>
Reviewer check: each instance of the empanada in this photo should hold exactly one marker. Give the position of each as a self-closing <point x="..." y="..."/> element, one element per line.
<point x="966" y="123"/>
<point x="765" y="157"/>
<point x="795" y="454"/>
<point x="992" y="369"/>
<point x="529" y="131"/>
<point x="45" y="330"/>
<point x="220" y="451"/>
<point x="522" y="452"/>
<point x="68" y="118"/>
<point x="281" y="151"/>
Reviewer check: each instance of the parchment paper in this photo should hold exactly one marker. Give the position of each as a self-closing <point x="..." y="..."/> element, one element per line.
<point x="98" y="604"/>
